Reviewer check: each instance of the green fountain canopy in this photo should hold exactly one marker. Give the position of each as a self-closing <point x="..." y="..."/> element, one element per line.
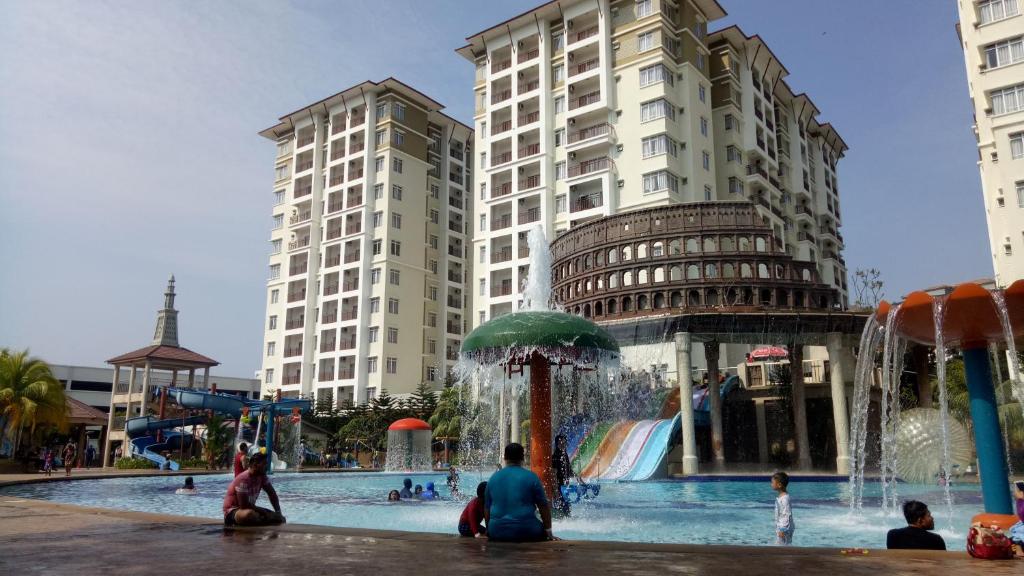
<point x="547" y="331"/>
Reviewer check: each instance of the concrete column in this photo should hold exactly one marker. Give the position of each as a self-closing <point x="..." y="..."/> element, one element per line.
<point x="924" y="381"/>
<point x="711" y="355"/>
<point x="107" y="460"/>
<point x="174" y="378"/>
<point x="796" y="370"/>
<point x="683" y="364"/>
<point x="131" y="390"/>
<point x="206" y="378"/>
<point x="988" y="438"/>
<point x="145" y="388"/>
<point x="839" y="412"/>
<point x="192" y="378"/>
<point x="762" y="432"/>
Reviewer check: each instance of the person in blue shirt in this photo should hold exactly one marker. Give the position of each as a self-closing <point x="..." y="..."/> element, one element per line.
<point x="514" y="494"/>
<point x="406" y="488"/>
<point x="429" y="493"/>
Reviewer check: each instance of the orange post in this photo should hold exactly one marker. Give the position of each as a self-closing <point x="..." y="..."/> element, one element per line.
<point x="540" y="421"/>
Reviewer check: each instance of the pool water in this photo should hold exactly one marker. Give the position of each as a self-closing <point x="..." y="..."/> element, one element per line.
<point x="721" y="512"/>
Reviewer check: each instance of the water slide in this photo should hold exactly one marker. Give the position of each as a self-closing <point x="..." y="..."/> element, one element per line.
<point x="626" y="457"/>
<point x="609" y="447"/>
<point x="142" y="432"/>
<point x="588" y="447"/>
<point x="650" y="462"/>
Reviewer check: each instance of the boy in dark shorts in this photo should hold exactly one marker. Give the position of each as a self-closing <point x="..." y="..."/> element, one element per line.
<point x="240" y="500"/>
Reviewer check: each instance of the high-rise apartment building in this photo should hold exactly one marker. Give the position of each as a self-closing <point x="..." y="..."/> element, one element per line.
<point x="586" y="109"/>
<point x="992" y="35"/>
<point x="368" y="266"/>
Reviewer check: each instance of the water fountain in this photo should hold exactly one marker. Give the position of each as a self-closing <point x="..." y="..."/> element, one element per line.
<point x="408" y="446"/>
<point x="969" y="317"/>
<point x="533" y="340"/>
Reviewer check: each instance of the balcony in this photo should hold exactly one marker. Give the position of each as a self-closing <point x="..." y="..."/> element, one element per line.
<point x="456" y="153"/>
<point x="334" y="206"/>
<point x="500" y="159"/>
<point x="501" y="190"/>
<point x="291" y="379"/>
<point x="503" y="255"/>
<point x="300" y="243"/>
<point x="501" y="65"/>
<point x="585" y="100"/>
<point x="303" y="191"/>
<point x="586" y="66"/>
<point x="500" y="127"/>
<point x="303" y="166"/>
<point x="530" y="86"/>
<point x="336" y="179"/>
<point x="454" y="328"/>
<point x="353" y="229"/>
<point x="358" y="120"/>
<point x="330" y="289"/>
<point x="454" y="276"/>
<point x="332" y="261"/>
<point x="529" y="150"/>
<point x="348" y="344"/>
<point x="346" y="374"/>
<point x="527" y="55"/>
<point x="295" y="270"/>
<point x="355" y="174"/>
<point x="290" y="352"/>
<point x="455" y="202"/>
<point x="503" y="290"/>
<point x="300" y="217"/>
<point x="586" y="33"/>
<point x="294" y="324"/>
<point x="455" y="177"/>
<point x="455" y="226"/>
<point x="590" y="166"/>
<point x="590" y="132"/>
<point x="352" y="314"/>
<point x="325" y="375"/>
<point x="351" y="256"/>
<point x="528" y="216"/>
<point x="355" y="147"/>
<point x="529" y="118"/>
<point x="350" y="285"/>
<point x="354" y="200"/>
<point x="330" y="318"/>
<point x="805" y="237"/>
<point x="455" y="251"/>
<point x="306" y="140"/>
<point x="337" y="151"/>
<point x="454" y="302"/>
<point x="501" y="222"/>
<point x="296" y="296"/>
<point x="498" y="97"/>
<point x="588" y="202"/>
<point x="529" y="182"/>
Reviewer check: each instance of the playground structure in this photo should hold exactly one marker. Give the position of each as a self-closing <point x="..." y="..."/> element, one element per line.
<point x="150" y="436"/>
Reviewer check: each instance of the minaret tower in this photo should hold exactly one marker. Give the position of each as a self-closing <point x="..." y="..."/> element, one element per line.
<point x="167" y="320"/>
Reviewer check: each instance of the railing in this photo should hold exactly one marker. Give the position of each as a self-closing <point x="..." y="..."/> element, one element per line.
<point x="587" y="66"/>
<point x="301" y="216"/>
<point x="589" y="166"/>
<point x="296" y="244"/>
<point x="335" y="180"/>
<point x="354" y="200"/>
<point x="530" y="215"/>
<point x="501" y="190"/>
<point x="758" y="113"/>
<point x="330" y="318"/>
<point x="325" y="376"/>
<point x="503" y="222"/>
<point x="455" y="251"/>
<point x="455" y="153"/>
<point x="355" y="174"/>
<point x="501" y="96"/>
<point x="455" y="226"/>
<point x="306" y="140"/>
<point x="351" y="314"/>
<point x="524" y="251"/>
<point x="289" y="352"/>
<point x="585" y="100"/>
<point x="356" y="147"/>
<point x="587" y="202"/>
<point x="590" y="132"/>
<point x="333" y="261"/>
<point x="501" y="158"/>
<point x="353" y="229"/>
<point x="587" y="33"/>
<point x="500" y="127"/>
<point x="761" y="144"/>
<point x="455" y="202"/>
<point x="304" y="191"/>
<point x="503" y="255"/>
<point x="501" y="65"/>
<point x="528" y="55"/>
<point x="804" y="237"/>
<point x="801" y="209"/>
<point x="357" y="120"/>
<point x="333" y="233"/>
<point x="296" y="296"/>
<point x="454" y="302"/>
<point x="451" y="355"/>
<point x="337" y="127"/>
<point x="529" y="118"/>
<point x="350" y="285"/>
<point x="121" y="388"/>
<point x="298" y="269"/>
<point x="503" y="290"/>
<point x="351" y="257"/>
<point x="529" y="182"/>
<point x="293" y="324"/>
<point x="337" y="152"/>
<point x="528" y="86"/>
<point x="119" y="421"/>
<point x="334" y="206"/>
<point x="454" y="276"/>
<point x="291" y="379"/>
<point x="346" y="374"/>
<point x="304" y="166"/>
<point x="349" y="344"/>
<point x="529" y="150"/>
<point x="454" y="328"/>
<point x="755" y="169"/>
<point x="774" y="182"/>
<point x="330" y="289"/>
<point x="455" y="177"/>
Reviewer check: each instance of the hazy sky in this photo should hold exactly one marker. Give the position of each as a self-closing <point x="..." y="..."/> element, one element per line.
<point x="128" y="146"/>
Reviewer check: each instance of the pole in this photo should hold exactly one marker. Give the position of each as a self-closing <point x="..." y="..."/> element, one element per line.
<point x="988" y="439"/>
<point x="683" y="362"/>
<point x="540" y="421"/>
<point x="834" y="342"/>
<point x="269" y="416"/>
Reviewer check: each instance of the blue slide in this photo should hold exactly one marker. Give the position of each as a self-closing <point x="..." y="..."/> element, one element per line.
<point x="142" y="431"/>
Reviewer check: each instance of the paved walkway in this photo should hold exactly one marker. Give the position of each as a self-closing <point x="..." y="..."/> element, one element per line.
<point x="44" y="537"/>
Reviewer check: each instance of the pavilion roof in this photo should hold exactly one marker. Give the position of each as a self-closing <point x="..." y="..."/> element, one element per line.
<point x="82" y="413"/>
<point x="165" y="357"/>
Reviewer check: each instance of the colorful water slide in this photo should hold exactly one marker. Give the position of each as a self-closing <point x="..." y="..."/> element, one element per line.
<point x="631" y="448"/>
<point x="650" y="462"/>
<point x="590" y="444"/>
<point x="610" y="446"/>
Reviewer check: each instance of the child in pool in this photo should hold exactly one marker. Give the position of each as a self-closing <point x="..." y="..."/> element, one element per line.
<point x="188" y="489"/>
<point x="473" y="515"/>
<point x="784" y="525"/>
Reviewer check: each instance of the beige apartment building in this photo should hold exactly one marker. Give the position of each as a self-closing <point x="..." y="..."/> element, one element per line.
<point x="368" y="269"/>
<point x="992" y="34"/>
<point x="585" y="109"/>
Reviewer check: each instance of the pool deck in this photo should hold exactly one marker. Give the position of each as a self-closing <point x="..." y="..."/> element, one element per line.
<point x="45" y="537"/>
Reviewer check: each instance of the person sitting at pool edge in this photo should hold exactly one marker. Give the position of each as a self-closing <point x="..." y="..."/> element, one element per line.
<point x="916" y="535"/>
<point x="243" y="450"/>
<point x="512" y="496"/>
<point x="406" y="488"/>
<point x="473" y="515"/>
<point x="240" y="500"/>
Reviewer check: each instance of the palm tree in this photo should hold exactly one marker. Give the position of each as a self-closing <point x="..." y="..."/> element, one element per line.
<point x="30" y="396"/>
<point x="1010" y="414"/>
<point x="218" y="436"/>
<point x="446" y="420"/>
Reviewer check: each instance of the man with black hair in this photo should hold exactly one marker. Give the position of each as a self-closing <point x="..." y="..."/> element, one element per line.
<point x="513" y="496"/>
<point x="240" y="500"/>
<point x="916" y="535"/>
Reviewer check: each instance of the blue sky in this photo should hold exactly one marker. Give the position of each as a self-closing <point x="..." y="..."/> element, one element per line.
<point x="128" y="146"/>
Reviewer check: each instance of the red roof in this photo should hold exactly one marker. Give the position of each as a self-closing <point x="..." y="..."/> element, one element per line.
<point x="82" y="413"/>
<point x="165" y="355"/>
<point x="409" y="424"/>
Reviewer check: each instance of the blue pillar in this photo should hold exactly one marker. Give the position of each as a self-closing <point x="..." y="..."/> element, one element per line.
<point x="988" y="439"/>
<point x="268" y="415"/>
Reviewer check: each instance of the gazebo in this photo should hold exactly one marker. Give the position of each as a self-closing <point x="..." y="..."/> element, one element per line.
<point x="81" y="416"/>
<point x="159" y="363"/>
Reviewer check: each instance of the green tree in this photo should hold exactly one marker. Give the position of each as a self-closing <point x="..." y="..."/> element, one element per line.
<point x="446" y="420"/>
<point x="218" y="437"/>
<point x="30" y="396"/>
<point x="1010" y="416"/>
<point x="423" y="401"/>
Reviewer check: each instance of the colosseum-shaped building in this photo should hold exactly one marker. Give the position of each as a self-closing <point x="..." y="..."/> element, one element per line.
<point x="686" y="258"/>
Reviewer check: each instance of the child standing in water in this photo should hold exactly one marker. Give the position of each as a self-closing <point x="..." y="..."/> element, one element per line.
<point x="783" y="511"/>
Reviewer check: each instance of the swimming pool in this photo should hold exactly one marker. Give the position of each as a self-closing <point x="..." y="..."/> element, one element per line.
<point x="721" y="512"/>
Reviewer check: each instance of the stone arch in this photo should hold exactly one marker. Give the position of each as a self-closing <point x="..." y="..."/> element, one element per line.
<point x="710" y="245"/>
<point x="659" y="301"/>
<point x="693" y="272"/>
<point x="746" y="271"/>
<point x="693" y="298"/>
<point x="598" y="309"/>
<point x="612" y="306"/>
<point x="675" y="247"/>
<point x="642" y="302"/>
<point x="692" y="246"/>
<point x="711" y="297"/>
<point x="780" y="271"/>
<point x="627" y="304"/>
<point x="728" y="244"/>
<point x="760" y="244"/>
<point x="627" y="253"/>
<point x="658" y="249"/>
<point x="744" y="244"/>
<point x="762" y="271"/>
<point x="728" y="270"/>
<point x="710" y="270"/>
<point x="613" y="280"/>
<point x="766" y="297"/>
<point x="627" y="278"/>
<point x="675" y="299"/>
<point x="641" y="250"/>
<point x="588" y="262"/>
<point x="586" y="310"/>
<point x="659" y="274"/>
<point x="782" y="297"/>
<point x="675" y="274"/>
<point x="641" y="276"/>
<point x="732" y="297"/>
<point x="613" y="256"/>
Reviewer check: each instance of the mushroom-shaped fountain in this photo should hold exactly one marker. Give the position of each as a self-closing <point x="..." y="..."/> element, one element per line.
<point x="970" y="317"/>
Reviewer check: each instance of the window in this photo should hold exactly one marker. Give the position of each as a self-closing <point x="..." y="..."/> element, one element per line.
<point x="431" y="346"/>
<point x="483" y="317"/>
<point x="702" y="92"/>
<point x="281" y="172"/>
<point x="483" y="190"/>
<point x="483" y="286"/>
<point x="735" y="185"/>
<point x="1020" y="193"/>
<point x="655" y="109"/>
<point x="278" y="197"/>
<point x="432" y="320"/>
<point x="392" y="365"/>
<point x="557" y="41"/>
<point x="396" y="191"/>
<point x="707" y="193"/>
<point x="275" y="271"/>
<point x="398" y="110"/>
<point x="275" y="246"/>
<point x="657" y="145"/>
<point x="433" y="266"/>
<point x="433" y="289"/>
<point x="396" y="248"/>
<point x="992" y="10"/>
<point x="661" y="180"/>
<point x="392" y="335"/>
<point x="732" y="154"/>
<point x="376" y="247"/>
<point x="560" y="170"/>
<point x="396" y="165"/>
<point x="393" y="305"/>
<point x="435" y="191"/>
<point x="559" y="137"/>
<point x="706" y="160"/>
<point x="1004" y="53"/>
<point x="557" y="74"/>
<point x="374" y="305"/>
<point x="272" y="323"/>
<point x="269" y="378"/>
<point x="1007" y="100"/>
<point x="375" y="276"/>
<point x="654" y="74"/>
<point x="645" y="41"/>
<point x="284" y="147"/>
<point x="373" y="334"/>
<point x="378" y="164"/>
<point x="433" y="241"/>
<point x="275" y="295"/>
<point x="703" y="126"/>
<point x="431" y="373"/>
<point x="278" y="221"/>
<point x="1017" y="145"/>
<point x="700" y="64"/>
<point x="396" y="220"/>
<point x="644" y="8"/>
<point x="560" y="203"/>
<point x="381" y="111"/>
<point x="371" y="364"/>
<point x="483" y="254"/>
<point x="271" y="348"/>
<point x="394" y="277"/>
<point x="559" y="104"/>
<point x="398" y="138"/>
<point x="378" y="191"/>
<point x="1008" y="249"/>
<point x="378" y="218"/>
<point x="378" y="138"/>
<point x="435" y="216"/>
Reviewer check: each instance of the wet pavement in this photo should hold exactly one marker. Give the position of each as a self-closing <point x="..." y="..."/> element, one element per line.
<point x="39" y="537"/>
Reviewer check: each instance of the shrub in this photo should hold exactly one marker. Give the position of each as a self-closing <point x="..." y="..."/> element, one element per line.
<point x="134" y="464"/>
<point x="192" y="463"/>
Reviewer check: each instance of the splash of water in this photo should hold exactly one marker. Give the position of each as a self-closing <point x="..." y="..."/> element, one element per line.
<point x="537" y="288"/>
<point x="1016" y="383"/>
<point x="892" y="370"/>
<point x="940" y="366"/>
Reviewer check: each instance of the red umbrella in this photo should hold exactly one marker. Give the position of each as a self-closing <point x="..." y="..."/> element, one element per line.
<point x="768" y="353"/>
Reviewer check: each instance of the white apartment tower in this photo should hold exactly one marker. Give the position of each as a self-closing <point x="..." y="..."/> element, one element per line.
<point x="992" y="34"/>
<point x="589" y="108"/>
<point x="368" y="268"/>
